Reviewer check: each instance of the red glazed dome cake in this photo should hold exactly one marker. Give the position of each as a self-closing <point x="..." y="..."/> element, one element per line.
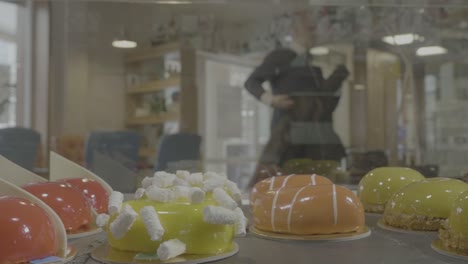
<point x="69" y="203"/>
<point x="27" y="231"/>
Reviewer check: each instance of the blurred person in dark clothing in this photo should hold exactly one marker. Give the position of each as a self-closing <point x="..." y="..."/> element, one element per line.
<point x="303" y="102"/>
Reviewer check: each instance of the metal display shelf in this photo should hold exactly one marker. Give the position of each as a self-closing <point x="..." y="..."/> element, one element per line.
<point x="380" y="247"/>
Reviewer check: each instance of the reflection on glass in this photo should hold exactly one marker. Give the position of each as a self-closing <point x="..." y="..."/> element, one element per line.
<point x="252" y="89"/>
<point x="8" y="63"/>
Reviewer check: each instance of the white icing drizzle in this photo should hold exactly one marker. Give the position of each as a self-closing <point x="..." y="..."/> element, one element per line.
<point x="272" y="182"/>
<point x="286" y="180"/>
<point x="292" y="205"/>
<point x="273" y="208"/>
<point x="312" y="178"/>
<point x="335" y="207"/>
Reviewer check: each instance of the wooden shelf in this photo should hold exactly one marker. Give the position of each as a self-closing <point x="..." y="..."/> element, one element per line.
<point x="155" y="86"/>
<point x="151" y="119"/>
<point x="137" y="62"/>
<point x="152" y="53"/>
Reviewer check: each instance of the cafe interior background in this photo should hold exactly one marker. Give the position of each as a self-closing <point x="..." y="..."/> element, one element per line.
<point x="70" y="74"/>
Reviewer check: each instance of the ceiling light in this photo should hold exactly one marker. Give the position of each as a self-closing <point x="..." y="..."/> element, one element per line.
<point x="319" y="51"/>
<point x="431" y="50"/>
<point x="401" y="39"/>
<point x="124" y="44"/>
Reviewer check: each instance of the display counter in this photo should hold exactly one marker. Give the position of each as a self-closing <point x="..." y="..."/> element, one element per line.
<point x="380" y="247"/>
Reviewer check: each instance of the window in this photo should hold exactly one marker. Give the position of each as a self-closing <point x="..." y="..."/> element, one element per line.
<point x="8" y="63"/>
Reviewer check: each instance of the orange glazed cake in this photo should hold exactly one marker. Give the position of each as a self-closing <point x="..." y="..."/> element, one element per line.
<point x="305" y="205"/>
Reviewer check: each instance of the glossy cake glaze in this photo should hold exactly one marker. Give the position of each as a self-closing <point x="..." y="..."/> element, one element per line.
<point x="423" y="205"/>
<point x="175" y="214"/>
<point x="308" y="209"/>
<point x="69" y="204"/>
<point x="26" y="231"/>
<point x="454" y="231"/>
<point x="379" y="185"/>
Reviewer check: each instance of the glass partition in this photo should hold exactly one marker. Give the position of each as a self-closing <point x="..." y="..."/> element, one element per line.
<point x="258" y="88"/>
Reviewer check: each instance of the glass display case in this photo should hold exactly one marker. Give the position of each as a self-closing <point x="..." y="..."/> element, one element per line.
<point x="250" y="90"/>
<point x="392" y="108"/>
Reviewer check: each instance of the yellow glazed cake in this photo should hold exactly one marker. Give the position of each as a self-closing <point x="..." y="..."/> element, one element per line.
<point x="175" y="214"/>
<point x="378" y="186"/>
<point x="423" y="205"/>
<point x="454" y="231"/>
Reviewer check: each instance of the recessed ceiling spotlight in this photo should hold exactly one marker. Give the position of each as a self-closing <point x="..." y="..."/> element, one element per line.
<point x="319" y="51"/>
<point x="431" y="50"/>
<point x="124" y="44"/>
<point x="401" y="39"/>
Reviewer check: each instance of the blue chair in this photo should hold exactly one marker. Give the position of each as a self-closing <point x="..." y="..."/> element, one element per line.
<point x="107" y="152"/>
<point x="20" y="145"/>
<point x="121" y="146"/>
<point x="119" y="177"/>
<point x="182" y="150"/>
